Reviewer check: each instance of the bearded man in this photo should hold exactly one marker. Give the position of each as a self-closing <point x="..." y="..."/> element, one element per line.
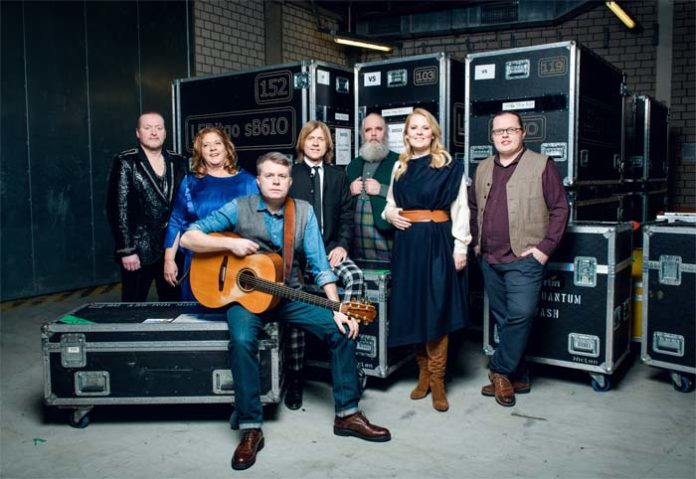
<point x="369" y="175"/>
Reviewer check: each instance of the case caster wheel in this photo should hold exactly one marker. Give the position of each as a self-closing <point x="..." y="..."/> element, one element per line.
<point x="682" y="382"/>
<point x="601" y="383"/>
<point x="79" y="418"/>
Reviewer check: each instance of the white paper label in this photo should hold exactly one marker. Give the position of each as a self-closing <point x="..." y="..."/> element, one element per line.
<point x="484" y="72"/>
<point x="397" y="111"/>
<point x="323" y="77"/>
<point x="343" y="146"/>
<point x="396" y="137"/>
<point x="342" y="117"/>
<point x="518" y="105"/>
<point x="373" y="79"/>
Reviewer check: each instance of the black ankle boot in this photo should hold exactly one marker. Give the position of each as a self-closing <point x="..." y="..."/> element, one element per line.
<point x="293" y="392"/>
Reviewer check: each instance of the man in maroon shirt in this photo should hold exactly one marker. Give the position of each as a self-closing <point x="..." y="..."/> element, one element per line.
<point x="519" y="210"/>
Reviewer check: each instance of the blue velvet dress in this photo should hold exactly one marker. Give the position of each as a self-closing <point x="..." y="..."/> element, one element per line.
<point x="196" y="199"/>
<point x="429" y="296"/>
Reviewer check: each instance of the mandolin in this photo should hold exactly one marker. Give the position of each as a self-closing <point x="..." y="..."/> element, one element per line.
<point x="254" y="281"/>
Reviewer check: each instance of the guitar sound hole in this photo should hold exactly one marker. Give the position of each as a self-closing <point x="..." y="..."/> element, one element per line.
<point x="245" y="280"/>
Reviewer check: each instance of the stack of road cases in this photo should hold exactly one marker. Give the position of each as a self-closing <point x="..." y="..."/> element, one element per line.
<point x="669" y="300"/>
<point x="583" y="320"/>
<point x="569" y="115"/>
<point x="373" y="355"/>
<point x="146" y="353"/>
<point x="394" y="87"/>
<point x="263" y="109"/>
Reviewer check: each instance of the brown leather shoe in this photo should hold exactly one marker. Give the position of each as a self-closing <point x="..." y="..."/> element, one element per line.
<point x="504" y="392"/>
<point x="357" y="425"/>
<point x="519" y="387"/>
<point x="245" y="454"/>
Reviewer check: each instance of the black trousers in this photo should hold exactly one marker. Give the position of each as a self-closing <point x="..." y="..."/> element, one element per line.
<point x="136" y="284"/>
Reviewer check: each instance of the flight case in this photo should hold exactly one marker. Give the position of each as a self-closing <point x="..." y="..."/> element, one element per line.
<point x="394" y="87"/>
<point x="669" y="300"/>
<point x="568" y="113"/>
<point x="372" y="354"/>
<point x="263" y="109"/>
<point x="647" y="140"/>
<point x="146" y="353"/>
<point x="583" y="319"/>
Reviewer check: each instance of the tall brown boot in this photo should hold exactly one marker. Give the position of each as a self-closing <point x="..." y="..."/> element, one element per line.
<point x="437" y="362"/>
<point x="423" y="386"/>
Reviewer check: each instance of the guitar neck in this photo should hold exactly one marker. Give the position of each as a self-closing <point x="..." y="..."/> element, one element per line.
<point x="283" y="291"/>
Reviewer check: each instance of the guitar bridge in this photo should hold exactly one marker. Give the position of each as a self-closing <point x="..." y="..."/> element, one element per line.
<point x="222" y="273"/>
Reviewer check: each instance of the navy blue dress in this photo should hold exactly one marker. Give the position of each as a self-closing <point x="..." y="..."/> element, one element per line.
<point x="196" y="199"/>
<point x="429" y="296"/>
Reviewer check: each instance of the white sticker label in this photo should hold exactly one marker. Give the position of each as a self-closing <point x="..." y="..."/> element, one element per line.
<point x="484" y="72"/>
<point x="342" y="117"/>
<point x="397" y="111"/>
<point x="343" y="146"/>
<point x="396" y="137"/>
<point x="373" y="78"/>
<point x="323" y="77"/>
<point x="518" y="105"/>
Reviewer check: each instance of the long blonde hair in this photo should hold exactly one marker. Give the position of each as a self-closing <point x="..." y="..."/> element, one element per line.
<point x="440" y="156"/>
<point x="308" y="128"/>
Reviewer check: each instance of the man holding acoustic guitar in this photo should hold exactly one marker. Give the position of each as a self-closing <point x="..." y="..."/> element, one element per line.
<point x="243" y="266"/>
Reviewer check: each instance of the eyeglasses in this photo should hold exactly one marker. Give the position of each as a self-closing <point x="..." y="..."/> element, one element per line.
<point x="502" y="131"/>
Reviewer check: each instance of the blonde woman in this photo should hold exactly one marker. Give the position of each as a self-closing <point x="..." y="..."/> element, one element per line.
<point x="427" y="204"/>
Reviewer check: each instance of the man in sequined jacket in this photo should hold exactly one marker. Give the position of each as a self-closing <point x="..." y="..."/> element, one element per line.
<point x="142" y="183"/>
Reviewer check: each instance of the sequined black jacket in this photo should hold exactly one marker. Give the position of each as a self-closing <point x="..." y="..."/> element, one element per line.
<point x="137" y="206"/>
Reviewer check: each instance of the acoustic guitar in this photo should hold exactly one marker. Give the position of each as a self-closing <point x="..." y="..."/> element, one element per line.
<point x="254" y="281"/>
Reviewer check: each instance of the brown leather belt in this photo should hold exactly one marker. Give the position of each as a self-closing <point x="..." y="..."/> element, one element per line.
<point x="419" y="216"/>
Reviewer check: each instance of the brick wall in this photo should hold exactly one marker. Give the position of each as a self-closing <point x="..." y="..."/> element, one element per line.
<point x="302" y="41"/>
<point x="683" y="110"/>
<point x="229" y="35"/>
<point x="632" y="52"/>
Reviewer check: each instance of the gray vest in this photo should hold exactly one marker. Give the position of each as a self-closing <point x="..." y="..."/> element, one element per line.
<point x="250" y="225"/>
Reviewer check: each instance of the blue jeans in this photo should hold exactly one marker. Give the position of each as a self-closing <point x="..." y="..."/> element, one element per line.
<point x="513" y="295"/>
<point x="245" y="328"/>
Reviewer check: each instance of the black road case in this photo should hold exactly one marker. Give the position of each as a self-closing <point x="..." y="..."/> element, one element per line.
<point x="569" y="114"/>
<point x="592" y="204"/>
<point x="146" y="353"/>
<point x="264" y="109"/>
<point x="584" y="316"/>
<point x="647" y="140"/>
<point x="372" y="354"/>
<point x="394" y="87"/>
<point x="669" y="300"/>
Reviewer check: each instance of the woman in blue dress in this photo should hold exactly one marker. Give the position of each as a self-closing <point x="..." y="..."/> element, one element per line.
<point x="427" y="204"/>
<point x="215" y="179"/>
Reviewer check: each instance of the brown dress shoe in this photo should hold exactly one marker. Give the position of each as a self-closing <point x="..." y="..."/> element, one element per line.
<point x="357" y="425"/>
<point x="245" y="454"/>
<point x="504" y="392"/>
<point x="520" y="387"/>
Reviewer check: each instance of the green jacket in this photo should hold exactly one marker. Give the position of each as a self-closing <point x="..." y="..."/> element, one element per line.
<point x="383" y="175"/>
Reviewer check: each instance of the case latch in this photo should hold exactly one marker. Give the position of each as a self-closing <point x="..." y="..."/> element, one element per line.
<point x="300" y="80"/>
<point x="72" y="351"/>
<point x="585" y="271"/>
<point x="342" y="85"/>
<point x="670" y="270"/>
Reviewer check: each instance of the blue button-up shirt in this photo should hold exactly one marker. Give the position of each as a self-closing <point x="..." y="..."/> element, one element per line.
<point x="225" y="219"/>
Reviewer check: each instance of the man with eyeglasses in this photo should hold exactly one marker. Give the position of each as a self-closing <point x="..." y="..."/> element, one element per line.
<point x="519" y="211"/>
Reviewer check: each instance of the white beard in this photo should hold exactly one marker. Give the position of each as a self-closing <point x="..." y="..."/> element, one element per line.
<point x="374" y="151"/>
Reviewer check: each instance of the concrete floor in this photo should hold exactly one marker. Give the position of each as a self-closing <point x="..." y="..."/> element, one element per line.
<point x="642" y="428"/>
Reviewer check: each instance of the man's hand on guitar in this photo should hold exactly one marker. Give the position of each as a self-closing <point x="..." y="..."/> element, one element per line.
<point x="242" y="247"/>
<point x="341" y="319"/>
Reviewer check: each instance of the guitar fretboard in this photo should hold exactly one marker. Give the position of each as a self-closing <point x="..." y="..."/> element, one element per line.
<point x="277" y="289"/>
